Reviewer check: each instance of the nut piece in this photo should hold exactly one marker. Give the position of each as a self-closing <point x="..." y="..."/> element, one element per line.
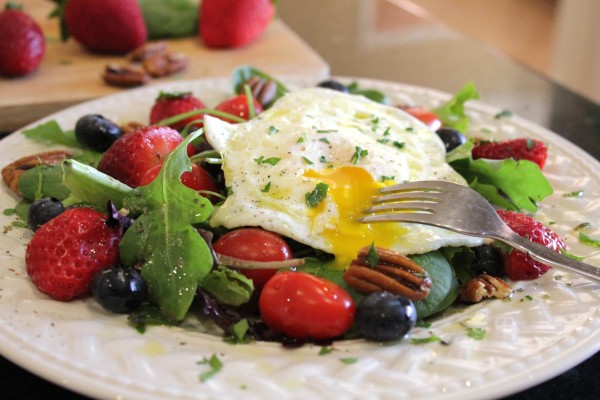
<point x="124" y="76"/>
<point x="165" y="64"/>
<point x="393" y="273"/>
<point x="147" y="50"/>
<point x="263" y="90"/>
<point x="131" y="126"/>
<point x="13" y="171"/>
<point x="483" y="287"/>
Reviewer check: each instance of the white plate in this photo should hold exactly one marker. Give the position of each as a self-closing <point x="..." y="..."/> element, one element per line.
<point x="547" y="328"/>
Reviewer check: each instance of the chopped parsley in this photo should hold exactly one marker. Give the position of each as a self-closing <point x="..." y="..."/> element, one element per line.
<point x="476" y="333"/>
<point x="270" y="160"/>
<point x="9" y="211"/>
<point x="527" y="297"/>
<point x="238" y="332"/>
<point x="577" y="193"/>
<point x="387" y="178"/>
<point x="306" y="160"/>
<point x="324" y="140"/>
<point x="383" y="140"/>
<point x="323" y="159"/>
<point x="325" y="350"/>
<point x="372" y="256"/>
<point x="423" y="324"/>
<point x="358" y="154"/>
<point x="302" y="138"/>
<point x="315" y="197"/>
<point x="349" y="360"/>
<point x="503" y="114"/>
<point x="386" y="132"/>
<point x="585" y="239"/>
<point x="410" y="129"/>
<point x="399" y="145"/>
<point x="214" y="364"/>
<point x="266" y="188"/>
<point x="273" y="130"/>
<point x="326" y="130"/>
<point x="430" y="339"/>
<point x="583" y="225"/>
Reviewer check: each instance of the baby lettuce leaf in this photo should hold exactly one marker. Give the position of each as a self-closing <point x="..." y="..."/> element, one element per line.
<point x="89" y="185"/>
<point x="174" y="257"/>
<point x="243" y="73"/>
<point x="444" y="288"/>
<point x="508" y="183"/>
<point x="452" y="113"/>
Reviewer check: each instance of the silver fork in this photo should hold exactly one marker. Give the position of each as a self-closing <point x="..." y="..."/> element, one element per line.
<point x="461" y="209"/>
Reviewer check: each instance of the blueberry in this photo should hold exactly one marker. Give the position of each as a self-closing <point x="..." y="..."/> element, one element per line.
<point x="119" y="289"/>
<point x="333" y="84"/>
<point x="383" y="316"/>
<point x="96" y="132"/>
<point x="42" y="211"/>
<point x="488" y="260"/>
<point x="451" y="138"/>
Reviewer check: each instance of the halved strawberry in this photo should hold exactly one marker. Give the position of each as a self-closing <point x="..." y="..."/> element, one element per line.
<point x="170" y="104"/>
<point x="518" y="149"/>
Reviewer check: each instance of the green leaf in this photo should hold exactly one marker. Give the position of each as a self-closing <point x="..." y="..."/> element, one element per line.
<point x="349" y="360"/>
<point x="228" y="286"/>
<point x="359" y="153"/>
<point x="371" y="94"/>
<point x="170" y="18"/>
<point x="175" y="259"/>
<point x="315" y="267"/>
<point x="214" y="364"/>
<point x="452" y="113"/>
<point x="147" y="314"/>
<point x="444" y="289"/>
<point x="476" y="333"/>
<point x="43" y="181"/>
<point x="243" y="73"/>
<point x="89" y="185"/>
<point x="51" y="133"/>
<point x="429" y="339"/>
<point x="507" y="183"/>
<point x="372" y="256"/>
<point x="238" y="332"/>
<point x="585" y="239"/>
<point x="271" y="160"/>
<point x="317" y="195"/>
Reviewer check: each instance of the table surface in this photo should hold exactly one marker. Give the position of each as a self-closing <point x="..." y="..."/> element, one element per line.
<point x="389" y="40"/>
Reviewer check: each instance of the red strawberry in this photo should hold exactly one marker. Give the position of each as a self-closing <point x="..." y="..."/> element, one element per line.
<point x="238" y="106"/>
<point x="517" y="265"/>
<point x="170" y="104"/>
<point x="65" y="253"/>
<point x="519" y="149"/>
<point x="231" y="24"/>
<point x="22" y="43"/>
<point x="128" y="159"/>
<point x="108" y="26"/>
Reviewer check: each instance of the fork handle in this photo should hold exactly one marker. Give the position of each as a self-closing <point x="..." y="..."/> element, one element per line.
<point x="549" y="257"/>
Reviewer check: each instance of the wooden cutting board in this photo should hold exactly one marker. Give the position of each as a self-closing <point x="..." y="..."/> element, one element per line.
<point x="69" y="74"/>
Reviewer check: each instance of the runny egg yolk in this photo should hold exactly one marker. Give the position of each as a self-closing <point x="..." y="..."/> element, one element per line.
<point x="351" y="189"/>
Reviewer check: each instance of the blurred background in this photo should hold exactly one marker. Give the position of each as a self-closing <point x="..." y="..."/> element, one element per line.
<point x="558" y="38"/>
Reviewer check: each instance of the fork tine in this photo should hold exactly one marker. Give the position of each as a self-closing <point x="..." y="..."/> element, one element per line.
<point x="408" y="206"/>
<point x="420" y="218"/>
<point x="418" y="186"/>
<point x="406" y="196"/>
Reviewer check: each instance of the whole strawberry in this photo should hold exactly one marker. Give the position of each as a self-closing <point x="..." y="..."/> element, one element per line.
<point x="128" y="159"/>
<point x="519" y="149"/>
<point x="233" y="23"/>
<point x="238" y="106"/>
<point x="517" y="265"/>
<point x="170" y="104"/>
<point x="107" y="26"/>
<point x="22" y="43"/>
<point x="65" y="253"/>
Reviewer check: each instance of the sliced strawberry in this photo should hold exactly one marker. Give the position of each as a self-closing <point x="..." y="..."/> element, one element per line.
<point x="517" y="265"/>
<point x="230" y="24"/>
<point x="238" y="106"/>
<point x="170" y="104"/>
<point x="65" y="253"/>
<point x="132" y="155"/>
<point x="518" y="149"/>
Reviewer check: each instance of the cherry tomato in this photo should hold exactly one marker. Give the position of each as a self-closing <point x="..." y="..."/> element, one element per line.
<point x="303" y="306"/>
<point x="254" y="244"/>
<point x="238" y="106"/>
<point x="425" y="116"/>
<point x="196" y="179"/>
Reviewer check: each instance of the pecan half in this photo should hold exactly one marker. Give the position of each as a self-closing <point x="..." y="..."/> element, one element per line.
<point x="263" y="90"/>
<point x="165" y="64"/>
<point x="147" y="50"/>
<point x="483" y="287"/>
<point x="393" y="273"/>
<point x="131" y="126"/>
<point x="124" y="76"/>
<point x="13" y="171"/>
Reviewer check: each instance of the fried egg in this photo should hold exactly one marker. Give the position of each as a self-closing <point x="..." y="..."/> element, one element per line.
<point x="308" y="166"/>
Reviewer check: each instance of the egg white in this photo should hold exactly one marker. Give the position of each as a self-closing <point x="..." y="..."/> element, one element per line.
<point x="323" y="131"/>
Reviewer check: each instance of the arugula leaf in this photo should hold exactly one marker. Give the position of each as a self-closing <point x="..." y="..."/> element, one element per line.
<point x="89" y="185"/>
<point x="511" y="184"/>
<point x="175" y="259"/>
<point x="452" y="113"/>
<point x="243" y="73"/>
<point x="228" y="286"/>
<point x="43" y="181"/>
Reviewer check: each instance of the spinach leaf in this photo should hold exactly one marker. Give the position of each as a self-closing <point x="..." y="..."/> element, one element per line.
<point x="511" y="184"/>
<point x="242" y="74"/>
<point x="452" y="113"/>
<point x="175" y="258"/>
<point x="43" y="181"/>
<point x="444" y="289"/>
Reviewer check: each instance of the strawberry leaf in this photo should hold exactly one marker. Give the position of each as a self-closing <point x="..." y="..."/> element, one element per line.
<point x="174" y="257"/>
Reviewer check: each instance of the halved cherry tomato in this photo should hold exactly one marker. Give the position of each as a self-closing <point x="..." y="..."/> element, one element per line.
<point x="254" y="244"/>
<point x="425" y="116"/>
<point x="303" y="306"/>
<point x="238" y="106"/>
<point x="196" y="179"/>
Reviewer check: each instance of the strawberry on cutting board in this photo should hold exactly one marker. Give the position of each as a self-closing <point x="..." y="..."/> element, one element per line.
<point x="233" y="23"/>
<point x="65" y="253"/>
<point x="22" y="43"/>
<point x="107" y="26"/>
